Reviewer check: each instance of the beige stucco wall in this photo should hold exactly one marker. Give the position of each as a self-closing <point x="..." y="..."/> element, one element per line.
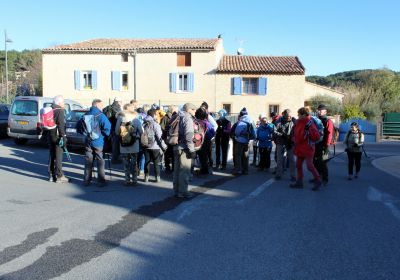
<point x="283" y="90"/>
<point x="152" y="76"/>
<point x="312" y="90"/>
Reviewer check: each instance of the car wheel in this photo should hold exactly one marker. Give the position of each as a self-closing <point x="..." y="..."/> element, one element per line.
<point x="20" y="141"/>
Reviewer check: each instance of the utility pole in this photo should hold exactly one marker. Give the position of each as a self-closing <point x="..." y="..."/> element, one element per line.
<point x="6" y="40"/>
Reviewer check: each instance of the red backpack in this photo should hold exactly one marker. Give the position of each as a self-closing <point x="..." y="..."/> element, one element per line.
<point x="47" y="118"/>
<point x="199" y="134"/>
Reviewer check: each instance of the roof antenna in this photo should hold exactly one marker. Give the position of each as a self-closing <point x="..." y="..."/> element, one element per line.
<point x="240" y="50"/>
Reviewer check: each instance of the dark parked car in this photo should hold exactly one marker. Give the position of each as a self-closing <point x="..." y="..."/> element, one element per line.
<point x="74" y="139"/>
<point x="4" y="112"/>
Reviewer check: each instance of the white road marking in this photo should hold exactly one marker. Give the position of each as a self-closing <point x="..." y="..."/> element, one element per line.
<point x="257" y="191"/>
<point x="388" y="200"/>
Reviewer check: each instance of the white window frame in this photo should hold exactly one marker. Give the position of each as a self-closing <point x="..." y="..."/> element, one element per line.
<point x="122" y="88"/>
<point x="178" y="83"/>
<point x="255" y="87"/>
<point x="82" y="86"/>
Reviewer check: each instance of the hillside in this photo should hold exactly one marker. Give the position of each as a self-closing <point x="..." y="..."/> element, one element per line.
<point x="376" y="90"/>
<point x="24" y="72"/>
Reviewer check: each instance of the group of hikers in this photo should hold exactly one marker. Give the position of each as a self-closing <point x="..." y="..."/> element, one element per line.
<point x="181" y="136"/>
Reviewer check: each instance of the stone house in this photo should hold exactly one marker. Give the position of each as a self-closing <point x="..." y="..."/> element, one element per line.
<point x="173" y="71"/>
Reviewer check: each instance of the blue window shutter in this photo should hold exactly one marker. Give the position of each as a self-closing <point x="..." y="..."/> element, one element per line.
<point x="262" y="86"/>
<point x="190" y="82"/>
<point x="172" y="82"/>
<point x="77" y="78"/>
<point x="116" y="80"/>
<point x="237" y="85"/>
<point x="94" y="80"/>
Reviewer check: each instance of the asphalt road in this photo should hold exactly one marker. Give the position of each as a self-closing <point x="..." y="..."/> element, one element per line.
<point x="249" y="227"/>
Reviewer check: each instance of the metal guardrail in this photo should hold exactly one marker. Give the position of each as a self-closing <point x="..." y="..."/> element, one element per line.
<point x="391" y="128"/>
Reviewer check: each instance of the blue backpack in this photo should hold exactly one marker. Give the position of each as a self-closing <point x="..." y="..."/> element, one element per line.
<point x="244" y="131"/>
<point x="91" y="126"/>
<point x="320" y="127"/>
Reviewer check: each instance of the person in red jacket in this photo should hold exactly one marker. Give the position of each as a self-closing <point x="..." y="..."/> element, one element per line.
<point x="305" y="133"/>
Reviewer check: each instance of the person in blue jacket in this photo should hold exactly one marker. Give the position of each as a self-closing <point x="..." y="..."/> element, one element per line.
<point x="94" y="144"/>
<point x="244" y="132"/>
<point x="265" y="132"/>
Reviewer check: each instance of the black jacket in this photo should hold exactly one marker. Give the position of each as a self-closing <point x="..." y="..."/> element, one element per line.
<point x="59" y="118"/>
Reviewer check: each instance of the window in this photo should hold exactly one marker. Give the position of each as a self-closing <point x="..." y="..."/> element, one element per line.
<point x="184" y="59"/>
<point x="76" y="107"/>
<point x="183" y="82"/>
<point x="25" y="108"/>
<point x="124" y="57"/>
<point x="85" y="80"/>
<point x="246" y="86"/>
<point x="124" y="80"/>
<point x="249" y="85"/>
<point x="274" y="109"/>
<point x="227" y="108"/>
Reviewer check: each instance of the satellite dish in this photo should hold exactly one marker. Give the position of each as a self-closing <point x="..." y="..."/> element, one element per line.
<point x="240" y="51"/>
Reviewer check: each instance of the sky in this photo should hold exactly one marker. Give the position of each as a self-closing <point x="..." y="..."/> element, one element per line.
<point x="328" y="36"/>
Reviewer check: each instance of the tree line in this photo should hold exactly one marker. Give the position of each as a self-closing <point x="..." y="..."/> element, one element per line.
<point x="24" y="73"/>
<point x="368" y="93"/>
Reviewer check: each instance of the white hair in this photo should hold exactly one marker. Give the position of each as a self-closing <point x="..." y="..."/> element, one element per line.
<point x="58" y="99"/>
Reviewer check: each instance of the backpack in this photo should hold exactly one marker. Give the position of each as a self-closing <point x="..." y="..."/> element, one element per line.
<point x="244" y="131"/>
<point x="173" y="130"/>
<point x="127" y="134"/>
<point x="320" y="126"/>
<point x="47" y="118"/>
<point x="199" y="134"/>
<point x="335" y="136"/>
<point x="91" y="126"/>
<point x="148" y="136"/>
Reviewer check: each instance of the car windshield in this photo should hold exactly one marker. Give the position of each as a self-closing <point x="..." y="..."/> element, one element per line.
<point x="25" y="108"/>
<point x="74" y="116"/>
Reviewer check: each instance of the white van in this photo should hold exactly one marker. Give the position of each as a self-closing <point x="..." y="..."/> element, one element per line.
<point x="24" y="119"/>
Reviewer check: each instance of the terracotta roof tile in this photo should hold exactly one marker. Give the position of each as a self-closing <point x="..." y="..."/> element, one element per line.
<point x="245" y="64"/>
<point x="110" y="45"/>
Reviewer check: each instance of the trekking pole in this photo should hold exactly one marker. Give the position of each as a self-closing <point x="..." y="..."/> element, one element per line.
<point x="61" y="144"/>
<point x="335" y="156"/>
<point x="362" y="147"/>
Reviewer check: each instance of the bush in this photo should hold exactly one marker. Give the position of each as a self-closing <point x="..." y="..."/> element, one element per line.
<point x="371" y="111"/>
<point x="333" y="104"/>
<point x="351" y="111"/>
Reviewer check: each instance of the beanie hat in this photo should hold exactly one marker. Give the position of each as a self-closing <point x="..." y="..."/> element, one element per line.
<point x="222" y="113"/>
<point x="243" y="112"/>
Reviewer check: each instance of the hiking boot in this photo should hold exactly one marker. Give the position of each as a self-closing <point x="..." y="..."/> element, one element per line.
<point x="146" y="178"/>
<point x="184" y="195"/>
<point x="349" y="178"/>
<point x="127" y="183"/>
<point x="316" y="187"/>
<point x="86" y="183"/>
<point x="101" y="184"/>
<point x="52" y="179"/>
<point x="356" y="176"/>
<point x="296" y="185"/>
<point x="158" y="179"/>
<point x="62" y="179"/>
